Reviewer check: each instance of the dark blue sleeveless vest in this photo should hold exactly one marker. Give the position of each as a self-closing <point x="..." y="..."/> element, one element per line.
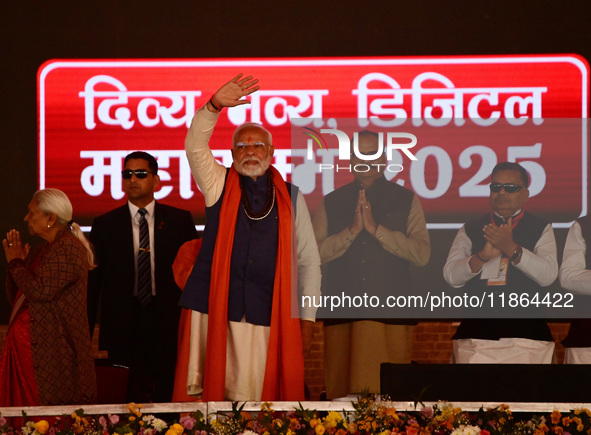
<point x="526" y="233"/>
<point x="254" y="256"/>
<point x="366" y="267"/>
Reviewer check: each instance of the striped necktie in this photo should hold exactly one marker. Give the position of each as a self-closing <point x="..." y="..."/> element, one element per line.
<point x="144" y="272"/>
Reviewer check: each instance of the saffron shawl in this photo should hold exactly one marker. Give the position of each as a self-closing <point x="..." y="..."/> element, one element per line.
<point x="284" y="372"/>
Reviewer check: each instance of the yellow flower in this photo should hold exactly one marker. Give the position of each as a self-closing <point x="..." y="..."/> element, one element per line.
<point x="177" y="428"/>
<point x="313" y="423"/>
<point x="131" y="418"/>
<point x="333" y="418"/>
<point x="577" y="420"/>
<point x="135" y="409"/>
<point x="319" y="429"/>
<point x="42" y="427"/>
<point x="580" y="428"/>
<point x="278" y="422"/>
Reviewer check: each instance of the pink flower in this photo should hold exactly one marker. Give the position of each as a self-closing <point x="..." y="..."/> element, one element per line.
<point x="103" y="421"/>
<point x="188" y="422"/>
<point x="2" y="421"/>
<point x="114" y="419"/>
<point x="427" y="412"/>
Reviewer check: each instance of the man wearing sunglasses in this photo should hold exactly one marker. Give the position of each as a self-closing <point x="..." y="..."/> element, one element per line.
<point x="135" y="246"/>
<point x="245" y="343"/>
<point x="506" y="250"/>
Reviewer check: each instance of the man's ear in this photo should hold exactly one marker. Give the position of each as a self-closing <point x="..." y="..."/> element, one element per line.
<point x="271" y="150"/>
<point x="156" y="180"/>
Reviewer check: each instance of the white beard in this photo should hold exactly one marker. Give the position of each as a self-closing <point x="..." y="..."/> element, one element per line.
<point x="251" y="170"/>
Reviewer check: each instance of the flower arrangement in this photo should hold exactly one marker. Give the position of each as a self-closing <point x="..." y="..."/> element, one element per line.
<point x="371" y="415"/>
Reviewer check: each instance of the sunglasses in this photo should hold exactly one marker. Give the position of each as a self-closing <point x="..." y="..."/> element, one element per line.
<point x="139" y="173"/>
<point x="509" y="187"/>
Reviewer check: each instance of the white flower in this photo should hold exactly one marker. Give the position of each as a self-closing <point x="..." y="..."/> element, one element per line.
<point x="148" y="418"/>
<point x="159" y="425"/>
<point x="249" y="432"/>
<point x="466" y="430"/>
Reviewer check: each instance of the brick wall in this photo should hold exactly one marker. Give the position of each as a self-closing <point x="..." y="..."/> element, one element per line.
<point x="432" y="345"/>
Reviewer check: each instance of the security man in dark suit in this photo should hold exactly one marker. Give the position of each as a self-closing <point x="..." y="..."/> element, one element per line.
<point x="135" y="246"/>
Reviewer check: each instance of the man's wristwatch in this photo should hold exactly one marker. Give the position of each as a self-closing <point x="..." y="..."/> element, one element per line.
<point x="516" y="254"/>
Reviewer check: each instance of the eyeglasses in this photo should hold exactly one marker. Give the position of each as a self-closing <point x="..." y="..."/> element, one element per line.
<point x="139" y="173"/>
<point x="509" y="187"/>
<point x="258" y="146"/>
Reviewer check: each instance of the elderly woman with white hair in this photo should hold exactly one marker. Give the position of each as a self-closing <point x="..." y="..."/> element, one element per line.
<point x="46" y="358"/>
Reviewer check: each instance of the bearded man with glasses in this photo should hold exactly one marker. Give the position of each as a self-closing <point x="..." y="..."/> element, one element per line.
<point x="506" y="250"/>
<point x="245" y="343"/>
<point x="134" y="284"/>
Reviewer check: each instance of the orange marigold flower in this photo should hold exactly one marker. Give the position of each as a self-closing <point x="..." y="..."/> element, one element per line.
<point x="341" y="432"/>
<point x="392" y="413"/>
<point x="313" y="423"/>
<point x="566" y="421"/>
<point x="580" y="428"/>
<point x="319" y="429"/>
<point x="558" y="430"/>
<point x="42" y="427"/>
<point x="555" y="417"/>
<point x="177" y="428"/>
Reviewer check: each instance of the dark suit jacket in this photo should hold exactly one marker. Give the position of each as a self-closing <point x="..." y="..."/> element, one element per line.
<point x="112" y="282"/>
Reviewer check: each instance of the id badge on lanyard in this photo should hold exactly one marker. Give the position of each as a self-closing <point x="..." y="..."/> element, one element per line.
<point x="501" y="278"/>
